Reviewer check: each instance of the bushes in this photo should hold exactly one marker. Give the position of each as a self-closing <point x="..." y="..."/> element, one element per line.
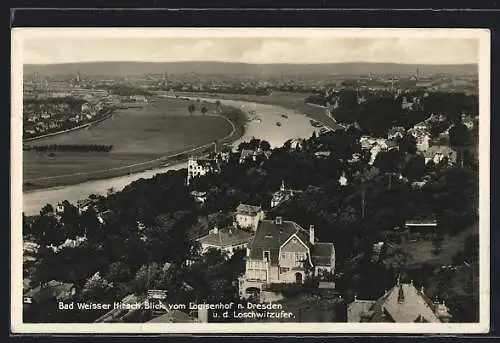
<point x="290" y="290"/>
<point x="71" y="147"/>
<point x="316" y="99"/>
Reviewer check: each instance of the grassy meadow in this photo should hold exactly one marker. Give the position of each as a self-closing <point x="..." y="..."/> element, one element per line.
<point x="138" y="135"/>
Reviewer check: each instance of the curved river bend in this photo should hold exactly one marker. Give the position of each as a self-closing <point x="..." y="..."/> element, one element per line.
<point x="293" y="125"/>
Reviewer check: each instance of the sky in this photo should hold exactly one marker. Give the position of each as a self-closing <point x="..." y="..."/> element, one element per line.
<point x="301" y="50"/>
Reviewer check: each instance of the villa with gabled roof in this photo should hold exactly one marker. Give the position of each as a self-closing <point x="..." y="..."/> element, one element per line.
<point x="403" y="303"/>
<point x="248" y="216"/>
<point x="283" y="252"/>
<point x="201" y="166"/>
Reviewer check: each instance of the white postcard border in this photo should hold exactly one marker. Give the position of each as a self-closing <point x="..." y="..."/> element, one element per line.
<point x="17" y="326"/>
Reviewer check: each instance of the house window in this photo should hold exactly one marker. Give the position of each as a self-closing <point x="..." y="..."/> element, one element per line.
<point x="284" y="270"/>
<point x="267" y="255"/>
<point x="283" y="255"/>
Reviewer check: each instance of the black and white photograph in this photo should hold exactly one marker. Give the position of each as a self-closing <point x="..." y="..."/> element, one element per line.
<point x="250" y="180"/>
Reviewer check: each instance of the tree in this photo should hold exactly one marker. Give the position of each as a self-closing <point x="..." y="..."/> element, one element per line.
<point x="191" y="108"/>
<point x="388" y="161"/>
<point x="218" y="105"/>
<point x="147" y="277"/>
<point x="340" y="143"/>
<point x="44" y="267"/>
<point x="459" y="135"/>
<point x="204" y="110"/>
<point x="47" y="209"/>
<point x="97" y="288"/>
<point x="26" y="226"/>
<point x="394" y="258"/>
<point x="437" y="127"/>
<point x="408" y="144"/>
<point x="415" y="168"/>
<point x="71" y="220"/>
<point x="47" y="230"/>
<point x="118" y="271"/>
<point x="264" y="145"/>
<point x="437" y="244"/>
<point x="91" y="226"/>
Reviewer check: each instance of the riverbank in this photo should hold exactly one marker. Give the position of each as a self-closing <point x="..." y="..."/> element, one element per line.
<point x="289" y="100"/>
<point x="294" y="125"/>
<point x="235" y="117"/>
<point x="105" y="116"/>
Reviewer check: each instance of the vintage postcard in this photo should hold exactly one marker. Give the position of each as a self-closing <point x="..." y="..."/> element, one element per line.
<point x="250" y="180"/>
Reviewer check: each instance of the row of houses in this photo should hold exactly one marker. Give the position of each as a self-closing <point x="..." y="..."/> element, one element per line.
<point x="277" y="251"/>
<point x="213" y="163"/>
<point x="280" y="252"/>
<point x="435" y="153"/>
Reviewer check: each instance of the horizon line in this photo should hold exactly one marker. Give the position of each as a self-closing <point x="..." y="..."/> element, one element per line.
<point x="252" y="63"/>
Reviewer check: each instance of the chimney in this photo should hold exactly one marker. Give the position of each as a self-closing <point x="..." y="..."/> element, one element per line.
<point x="401" y="295"/>
<point x="278" y="220"/>
<point x="311" y="234"/>
<point x="203" y="315"/>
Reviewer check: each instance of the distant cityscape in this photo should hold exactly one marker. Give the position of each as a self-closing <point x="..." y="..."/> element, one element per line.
<point x="372" y="217"/>
<point x="53" y="104"/>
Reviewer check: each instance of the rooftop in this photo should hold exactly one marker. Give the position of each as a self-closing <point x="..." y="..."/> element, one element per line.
<point x="207" y="163"/>
<point x="51" y="290"/>
<point x="226" y="237"/>
<point x="402" y="304"/>
<point x="246" y="153"/>
<point x="420" y="222"/>
<point x="322" y="253"/>
<point x="270" y="235"/>
<point x="439" y="149"/>
<point x="248" y="209"/>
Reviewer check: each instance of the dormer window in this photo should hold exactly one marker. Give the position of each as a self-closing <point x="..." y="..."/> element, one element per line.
<point x="266" y="255"/>
<point x="278" y="220"/>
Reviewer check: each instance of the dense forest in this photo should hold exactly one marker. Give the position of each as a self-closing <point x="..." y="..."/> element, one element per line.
<point x="154" y="222"/>
<point x="121" y="250"/>
<point x="380" y="111"/>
